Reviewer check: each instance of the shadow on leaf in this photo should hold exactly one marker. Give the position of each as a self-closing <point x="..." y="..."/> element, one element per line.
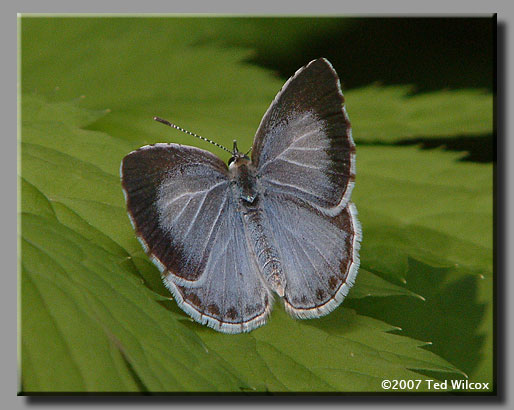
<point x="449" y="318"/>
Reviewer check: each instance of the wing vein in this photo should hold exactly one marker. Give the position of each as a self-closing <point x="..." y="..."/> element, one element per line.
<point x="275" y="182"/>
<point x="290" y="146"/>
<point x="213" y="226"/>
<point x="299" y="163"/>
<point x="177" y="217"/>
<point x="200" y="206"/>
<point x="194" y="193"/>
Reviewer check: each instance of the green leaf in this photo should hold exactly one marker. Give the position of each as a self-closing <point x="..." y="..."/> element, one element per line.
<point x="165" y="61"/>
<point x="261" y="34"/>
<point x="170" y="62"/>
<point x="370" y="284"/>
<point x="343" y="351"/>
<point x="39" y="111"/>
<point x="70" y="344"/>
<point x="86" y="303"/>
<point x="391" y="114"/>
<point x="425" y="205"/>
<point x="82" y="267"/>
<point x="455" y="316"/>
<point x="426" y="209"/>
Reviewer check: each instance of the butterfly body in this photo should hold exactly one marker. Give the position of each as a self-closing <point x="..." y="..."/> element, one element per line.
<point x="225" y="238"/>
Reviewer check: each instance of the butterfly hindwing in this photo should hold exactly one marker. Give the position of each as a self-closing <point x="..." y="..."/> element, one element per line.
<point x="233" y="297"/>
<point x="319" y="254"/>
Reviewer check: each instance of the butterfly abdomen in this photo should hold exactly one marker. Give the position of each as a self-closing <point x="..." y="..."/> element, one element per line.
<point x="259" y="236"/>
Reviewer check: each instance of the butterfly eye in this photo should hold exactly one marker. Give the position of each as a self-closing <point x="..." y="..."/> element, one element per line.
<point x="231" y="160"/>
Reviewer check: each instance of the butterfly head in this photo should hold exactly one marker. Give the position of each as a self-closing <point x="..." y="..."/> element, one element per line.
<point x="238" y="158"/>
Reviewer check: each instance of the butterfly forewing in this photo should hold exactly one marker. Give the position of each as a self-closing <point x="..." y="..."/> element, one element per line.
<point x="176" y="197"/>
<point x="303" y="146"/>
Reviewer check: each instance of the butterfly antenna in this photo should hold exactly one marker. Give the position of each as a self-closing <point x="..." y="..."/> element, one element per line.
<point x="247" y="152"/>
<point x="158" y="119"/>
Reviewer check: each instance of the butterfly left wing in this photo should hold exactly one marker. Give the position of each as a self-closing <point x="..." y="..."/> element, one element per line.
<point x="180" y="204"/>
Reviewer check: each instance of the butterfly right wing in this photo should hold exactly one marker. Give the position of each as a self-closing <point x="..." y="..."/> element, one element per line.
<point x="319" y="253"/>
<point x="180" y="204"/>
<point x="304" y="147"/>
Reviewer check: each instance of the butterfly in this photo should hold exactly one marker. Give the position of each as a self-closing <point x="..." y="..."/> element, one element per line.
<point x="226" y="239"/>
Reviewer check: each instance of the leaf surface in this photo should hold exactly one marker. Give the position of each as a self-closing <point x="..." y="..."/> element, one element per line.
<point x="95" y="315"/>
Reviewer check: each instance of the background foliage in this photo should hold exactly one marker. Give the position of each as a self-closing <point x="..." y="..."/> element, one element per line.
<point x="94" y="314"/>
